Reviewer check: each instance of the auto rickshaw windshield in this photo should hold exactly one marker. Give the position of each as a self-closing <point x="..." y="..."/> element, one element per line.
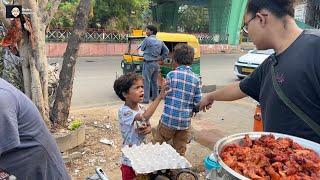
<point x="133" y="48"/>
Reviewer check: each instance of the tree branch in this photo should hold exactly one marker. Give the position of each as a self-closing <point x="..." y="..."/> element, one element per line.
<point x="48" y="14"/>
<point x="61" y="107"/>
<point x="43" y="5"/>
<point x="3" y="19"/>
<point x="32" y="4"/>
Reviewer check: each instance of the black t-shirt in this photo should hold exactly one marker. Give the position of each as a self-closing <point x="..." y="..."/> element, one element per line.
<point x="298" y="74"/>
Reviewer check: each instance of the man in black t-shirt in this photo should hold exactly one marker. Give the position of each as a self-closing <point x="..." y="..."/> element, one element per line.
<point x="271" y="25"/>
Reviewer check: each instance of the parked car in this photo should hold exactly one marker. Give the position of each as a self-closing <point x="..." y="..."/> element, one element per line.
<point x="247" y="63"/>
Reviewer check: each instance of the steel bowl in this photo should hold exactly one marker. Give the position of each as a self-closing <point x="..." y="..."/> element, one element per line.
<point x="229" y="173"/>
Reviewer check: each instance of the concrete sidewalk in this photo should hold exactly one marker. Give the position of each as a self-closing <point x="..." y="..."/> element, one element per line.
<point x="225" y="118"/>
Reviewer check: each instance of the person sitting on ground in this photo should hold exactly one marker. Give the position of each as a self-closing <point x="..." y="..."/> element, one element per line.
<point x="133" y="117"/>
<point x="184" y="95"/>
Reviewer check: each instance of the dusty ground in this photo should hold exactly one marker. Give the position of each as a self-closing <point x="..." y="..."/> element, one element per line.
<point x="102" y="123"/>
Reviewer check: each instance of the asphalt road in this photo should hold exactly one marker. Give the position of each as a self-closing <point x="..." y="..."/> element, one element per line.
<point x="93" y="87"/>
<point x="94" y="77"/>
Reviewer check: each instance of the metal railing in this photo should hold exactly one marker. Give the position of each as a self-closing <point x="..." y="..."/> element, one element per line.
<point x="94" y="35"/>
<point x="91" y="35"/>
<point x="215" y="38"/>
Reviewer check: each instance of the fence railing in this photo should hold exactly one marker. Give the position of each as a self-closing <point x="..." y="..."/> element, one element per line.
<point x="62" y="35"/>
<point x="91" y="35"/>
<point x="215" y="38"/>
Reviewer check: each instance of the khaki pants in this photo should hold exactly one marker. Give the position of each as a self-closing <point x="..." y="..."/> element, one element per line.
<point x="179" y="138"/>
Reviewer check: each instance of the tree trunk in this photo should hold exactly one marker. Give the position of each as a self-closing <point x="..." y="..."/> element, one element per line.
<point x="42" y="63"/>
<point x="38" y="63"/>
<point x="25" y="54"/>
<point x="32" y="51"/>
<point x="61" y="107"/>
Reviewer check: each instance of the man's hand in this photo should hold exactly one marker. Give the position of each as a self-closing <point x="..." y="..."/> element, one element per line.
<point x="205" y="103"/>
<point x="146" y="129"/>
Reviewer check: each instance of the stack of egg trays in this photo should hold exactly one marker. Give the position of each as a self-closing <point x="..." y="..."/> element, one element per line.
<point x="148" y="158"/>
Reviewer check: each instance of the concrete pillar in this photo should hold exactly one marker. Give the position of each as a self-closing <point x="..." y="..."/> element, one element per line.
<point x="226" y="18"/>
<point x="238" y="8"/>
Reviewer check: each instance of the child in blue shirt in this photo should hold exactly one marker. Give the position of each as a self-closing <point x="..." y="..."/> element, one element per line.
<point x="133" y="117"/>
<point x="184" y="96"/>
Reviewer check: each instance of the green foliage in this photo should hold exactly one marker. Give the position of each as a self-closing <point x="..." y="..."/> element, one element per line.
<point x="119" y="14"/>
<point x="111" y="14"/>
<point x="64" y="17"/>
<point x="193" y="19"/>
<point x="49" y="6"/>
<point x="75" y="124"/>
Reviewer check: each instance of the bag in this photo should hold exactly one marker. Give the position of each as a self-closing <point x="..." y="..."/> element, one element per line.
<point x="312" y="124"/>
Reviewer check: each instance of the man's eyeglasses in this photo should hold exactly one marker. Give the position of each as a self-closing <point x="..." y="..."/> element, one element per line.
<point x="245" y="26"/>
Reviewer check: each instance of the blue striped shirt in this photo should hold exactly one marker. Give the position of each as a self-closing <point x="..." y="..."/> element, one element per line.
<point x="185" y="93"/>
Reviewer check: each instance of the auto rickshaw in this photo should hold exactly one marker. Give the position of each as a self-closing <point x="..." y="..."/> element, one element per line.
<point x="133" y="58"/>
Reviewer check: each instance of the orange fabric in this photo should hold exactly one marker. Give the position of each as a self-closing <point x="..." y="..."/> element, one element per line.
<point x="14" y="34"/>
<point x="257" y="120"/>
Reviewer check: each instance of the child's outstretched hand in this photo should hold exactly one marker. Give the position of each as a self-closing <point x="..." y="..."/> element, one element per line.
<point x="145" y="129"/>
<point x="164" y="88"/>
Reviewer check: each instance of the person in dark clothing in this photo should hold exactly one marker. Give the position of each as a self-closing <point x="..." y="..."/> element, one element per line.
<point x="27" y="149"/>
<point x="271" y="25"/>
<point x="154" y="50"/>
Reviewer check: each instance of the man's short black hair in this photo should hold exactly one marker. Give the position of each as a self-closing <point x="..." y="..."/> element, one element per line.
<point x="183" y="54"/>
<point x="279" y="8"/>
<point x="153" y="29"/>
<point x="124" y="83"/>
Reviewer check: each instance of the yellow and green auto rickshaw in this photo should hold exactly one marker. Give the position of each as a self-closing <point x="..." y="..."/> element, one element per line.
<point x="132" y="59"/>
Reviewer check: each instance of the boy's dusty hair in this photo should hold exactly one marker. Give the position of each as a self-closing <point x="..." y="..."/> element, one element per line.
<point x="124" y="83"/>
<point x="183" y="54"/>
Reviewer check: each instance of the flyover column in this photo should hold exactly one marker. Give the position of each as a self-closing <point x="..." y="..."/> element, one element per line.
<point x="219" y="11"/>
<point x="236" y="20"/>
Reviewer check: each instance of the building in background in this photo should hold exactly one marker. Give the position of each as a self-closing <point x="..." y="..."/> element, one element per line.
<point x="308" y="12"/>
<point x="300" y="12"/>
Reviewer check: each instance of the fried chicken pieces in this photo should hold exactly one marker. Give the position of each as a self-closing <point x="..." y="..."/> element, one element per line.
<point x="269" y="158"/>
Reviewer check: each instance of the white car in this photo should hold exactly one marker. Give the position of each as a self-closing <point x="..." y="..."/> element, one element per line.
<point x="247" y="63"/>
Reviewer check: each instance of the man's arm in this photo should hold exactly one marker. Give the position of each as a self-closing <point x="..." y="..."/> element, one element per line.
<point x="143" y="45"/>
<point x="164" y="51"/>
<point x="229" y="93"/>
